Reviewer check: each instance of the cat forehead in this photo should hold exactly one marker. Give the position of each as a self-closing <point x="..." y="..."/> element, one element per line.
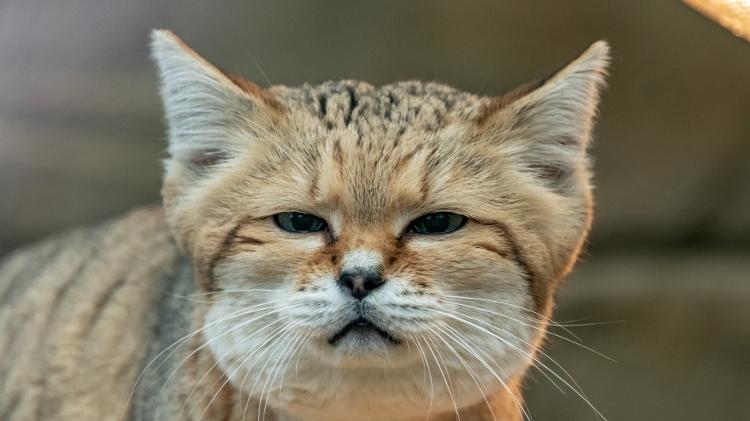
<point x="372" y="150"/>
<point x="365" y="108"/>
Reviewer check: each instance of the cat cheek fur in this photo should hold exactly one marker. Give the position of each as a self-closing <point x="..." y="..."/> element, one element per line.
<point x="428" y="280"/>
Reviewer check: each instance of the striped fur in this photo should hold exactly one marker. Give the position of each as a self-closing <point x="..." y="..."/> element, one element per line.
<point x="76" y="318"/>
<point x="92" y="319"/>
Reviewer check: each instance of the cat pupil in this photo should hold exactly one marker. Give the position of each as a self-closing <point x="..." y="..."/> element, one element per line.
<point x="438" y="223"/>
<point x="303" y="222"/>
<point x="299" y="222"/>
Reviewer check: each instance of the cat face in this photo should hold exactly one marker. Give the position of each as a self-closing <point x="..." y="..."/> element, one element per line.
<point x="342" y="228"/>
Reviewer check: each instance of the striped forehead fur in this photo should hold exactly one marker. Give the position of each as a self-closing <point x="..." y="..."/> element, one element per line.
<point x="394" y="107"/>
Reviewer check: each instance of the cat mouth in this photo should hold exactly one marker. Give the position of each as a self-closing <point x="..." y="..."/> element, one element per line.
<point x="362" y="326"/>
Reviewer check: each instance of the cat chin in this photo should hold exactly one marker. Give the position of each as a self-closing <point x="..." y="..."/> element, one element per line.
<point x="363" y="349"/>
<point x="367" y="375"/>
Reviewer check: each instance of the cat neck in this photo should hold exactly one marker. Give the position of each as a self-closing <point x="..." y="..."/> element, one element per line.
<point x="503" y="406"/>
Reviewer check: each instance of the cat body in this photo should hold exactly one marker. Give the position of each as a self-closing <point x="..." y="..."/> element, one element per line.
<point x="330" y="252"/>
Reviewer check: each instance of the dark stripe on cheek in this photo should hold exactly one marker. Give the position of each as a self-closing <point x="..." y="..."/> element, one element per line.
<point x="227" y="249"/>
<point x="536" y="289"/>
<point x="247" y="240"/>
<point x="221" y="254"/>
<point x="492" y="249"/>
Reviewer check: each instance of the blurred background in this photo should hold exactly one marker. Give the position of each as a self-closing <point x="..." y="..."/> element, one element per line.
<point x="664" y="288"/>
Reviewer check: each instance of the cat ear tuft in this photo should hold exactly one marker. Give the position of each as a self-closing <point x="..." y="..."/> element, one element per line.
<point x="210" y="114"/>
<point x="546" y="126"/>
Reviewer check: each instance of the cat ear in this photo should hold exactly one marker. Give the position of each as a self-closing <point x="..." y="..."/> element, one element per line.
<point x="545" y="127"/>
<point x="210" y="114"/>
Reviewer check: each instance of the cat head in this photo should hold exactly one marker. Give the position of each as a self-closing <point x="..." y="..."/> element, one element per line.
<point x="358" y="224"/>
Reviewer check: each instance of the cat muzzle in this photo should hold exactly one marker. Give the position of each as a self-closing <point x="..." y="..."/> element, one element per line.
<point x="362" y="325"/>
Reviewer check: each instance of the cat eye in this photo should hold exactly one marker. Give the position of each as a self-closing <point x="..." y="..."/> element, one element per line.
<point x="299" y="222"/>
<point x="438" y="223"/>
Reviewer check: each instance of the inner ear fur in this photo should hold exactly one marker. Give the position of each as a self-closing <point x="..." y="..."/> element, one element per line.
<point x="546" y="125"/>
<point x="211" y="114"/>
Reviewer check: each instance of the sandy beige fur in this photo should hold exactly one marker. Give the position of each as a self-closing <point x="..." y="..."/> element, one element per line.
<point x="75" y="320"/>
<point x="92" y="320"/>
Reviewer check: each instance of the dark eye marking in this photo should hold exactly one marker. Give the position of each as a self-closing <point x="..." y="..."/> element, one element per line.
<point x="437" y="223"/>
<point x="489" y="247"/>
<point x="248" y="240"/>
<point x="516" y="253"/>
<point x="298" y="222"/>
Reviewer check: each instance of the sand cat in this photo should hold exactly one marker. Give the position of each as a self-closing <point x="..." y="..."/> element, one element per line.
<point x="334" y="252"/>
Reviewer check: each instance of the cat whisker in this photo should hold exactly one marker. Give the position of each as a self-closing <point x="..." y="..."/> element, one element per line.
<point x="297" y="348"/>
<point x="443" y="375"/>
<point x="574" y="324"/>
<point x="538" y="316"/>
<point x="565" y="372"/>
<point x="296" y="363"/>
<point x="274" y="373"/>
<point x="534" y="327"/>
<point x="257" y="65"/>
<point x="179" y="342"/>
<point x="563" y="325"/>
<point x="436" y="331"/>
<point x="287" y="333"/>
<point x="535" y="321"/>
<point x="296" y="353"/>
<point x="207" y="343"/>
<point x="245" y="120"/>
<point x="427" y="372"/>
<point x="219" y="359"/>
<point x="230" y="330"/>
<point x="520" y="351"/>
<point x="507" y="343"/>
<point x="242" y="360"/>
<point x="533" y="358"/>
<point x="473" y="349"/>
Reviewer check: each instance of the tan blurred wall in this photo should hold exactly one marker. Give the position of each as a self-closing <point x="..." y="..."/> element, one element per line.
<point x="81" y="131"/>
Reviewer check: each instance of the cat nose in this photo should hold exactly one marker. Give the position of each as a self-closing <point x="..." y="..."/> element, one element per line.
<point x="360" y="283"/>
